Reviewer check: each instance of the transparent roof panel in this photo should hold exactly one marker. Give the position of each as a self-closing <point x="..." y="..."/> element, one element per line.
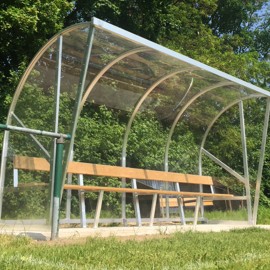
<point x="127" y="74"/>
<point x="129" y="101"/>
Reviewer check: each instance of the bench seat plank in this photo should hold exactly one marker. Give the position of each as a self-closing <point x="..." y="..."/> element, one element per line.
<point x="80" y="168"/>
<point x="146" y="191"/>
<point x="190" y="202"/>
<point x="41" y="164"/>
<point x="142" y="174"/>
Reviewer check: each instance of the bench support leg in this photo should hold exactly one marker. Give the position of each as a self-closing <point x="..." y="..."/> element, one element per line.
<point x="153" y="209"/>
<point x="201" y="203"/>
<point x="15" y="178"/>
<point x="136" y="203"/>
<point x="202" y="208"/>
<point x="181" y="211"/>
<point x="197" y="207"/>
<point x="68" y="202"/>
<point x="180" y="205"/>
<point x="98" y="209"/>
<point x="82" y="203"/>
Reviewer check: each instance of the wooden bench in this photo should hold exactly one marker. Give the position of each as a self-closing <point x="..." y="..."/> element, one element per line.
<point x="79" y="168"/>
<point x="187" y="202"/>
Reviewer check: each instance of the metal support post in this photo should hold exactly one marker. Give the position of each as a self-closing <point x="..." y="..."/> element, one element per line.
<point x="57" y="187"/>
<point x="136" y="203"/>
<point x="180" y="205"/>
<point x="153" y="209"/>
<point x="98" y="209"/>
<point x="68" y="202"/>
<point x="69" y="193"/>
<point x="15" y="177"/>
<point x="82" y="202"/>
<point x="245" y="160"/>
<point x="261" y="161"/>
<point x="197" y="207"/>
<point x="201" y="202"/>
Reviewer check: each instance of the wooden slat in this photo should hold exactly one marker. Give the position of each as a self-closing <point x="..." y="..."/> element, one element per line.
<point x="142" y="174"/>
<point x="31" y="163"/>
<point x="199" y="179"/>
<point x="187" y="202"/>
<point x="41" y="164"/>
<point x="144" y="191"/>
<point x="116" y="171"/>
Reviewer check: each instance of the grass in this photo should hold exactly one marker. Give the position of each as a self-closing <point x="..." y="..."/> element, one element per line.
<point x="238" y="249"/>
<point x="240" y="214"/>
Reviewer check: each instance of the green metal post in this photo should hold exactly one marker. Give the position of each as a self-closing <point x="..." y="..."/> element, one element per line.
<point x="57" y="187"/>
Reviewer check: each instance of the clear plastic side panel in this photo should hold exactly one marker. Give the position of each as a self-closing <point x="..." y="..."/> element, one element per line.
<point x="115" y="81"/>
<point x="74" y="44"/>
<point x="35" y="109"/>
<point x="114" y="84"/>
<point x="192" y="125"/>
<point x="224" y="143"/>
<point x="150" y="128"/>
<point x="26" y="192"/>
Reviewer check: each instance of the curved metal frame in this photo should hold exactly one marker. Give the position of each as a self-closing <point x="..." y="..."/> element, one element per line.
<point x="17" y="94"/>
<point x="106" y="68"/>
<point x="213" y="122"/>
<point x="36" y="59"/>
<point x="145" y="46"/>
<point x="140" y="102"/>
<point x="166" y="165"/>
<point x="261" y="161"/>
<point x="245" y="180"/>
<point x="128" y="127"/>
<point x="76" y="110"/>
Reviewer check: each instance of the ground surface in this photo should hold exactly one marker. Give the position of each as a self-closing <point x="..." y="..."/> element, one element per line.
<point x="78" y="235"/>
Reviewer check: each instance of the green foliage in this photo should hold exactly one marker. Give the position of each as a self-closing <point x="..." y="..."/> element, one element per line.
<point x="237" y="249"/>
<point x="146" y="143"/>
<point x="263" y="214"/>
<point x="230" y="35"/>
<point x="29" y="204"/>
<point x="100" y="133"/>
<point x="24" y="28"/>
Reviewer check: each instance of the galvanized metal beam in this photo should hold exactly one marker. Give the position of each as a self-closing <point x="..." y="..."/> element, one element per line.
<point x="261" y="162"/>
<point x="245" y="160"/>
<point x="224" y="166"/>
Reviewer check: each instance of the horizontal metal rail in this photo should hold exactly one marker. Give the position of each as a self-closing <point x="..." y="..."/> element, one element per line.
<point x="35" y="131"/>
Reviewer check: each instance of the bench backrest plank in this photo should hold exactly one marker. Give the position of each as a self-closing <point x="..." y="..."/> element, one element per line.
<point x="190" y="202"/>
<point x="41" y="164"/>
<point x="31" y="163"/>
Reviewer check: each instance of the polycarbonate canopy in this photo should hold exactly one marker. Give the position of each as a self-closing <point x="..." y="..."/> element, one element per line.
<point x="96" y="63"/>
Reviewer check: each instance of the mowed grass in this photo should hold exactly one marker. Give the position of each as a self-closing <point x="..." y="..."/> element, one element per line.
<point x="238" y="249"/>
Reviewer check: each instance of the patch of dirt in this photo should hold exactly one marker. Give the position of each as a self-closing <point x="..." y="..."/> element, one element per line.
<point x="84" y="240"/>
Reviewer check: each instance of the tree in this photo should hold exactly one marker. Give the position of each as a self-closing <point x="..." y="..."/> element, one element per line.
<point x="24" y="27"/>
<point x="244" y="27"/>
<point x="230" y="35"/>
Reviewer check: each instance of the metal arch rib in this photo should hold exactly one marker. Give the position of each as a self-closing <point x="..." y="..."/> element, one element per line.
<point x="34" y="61"/>
<point x="183" y="110"/>
<point x="215" y="119"/>
<point x="138" y="105"/>
<point x="127" y="35"/>
<point x="261" y="161"/>
<point x="106" y="68"/>
<point x="202" y="150"/>
<point x="224" y="166"/>
<point x="17" y="95"/>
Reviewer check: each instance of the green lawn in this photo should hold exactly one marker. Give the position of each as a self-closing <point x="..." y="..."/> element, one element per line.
<point x="238" y="249"/>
